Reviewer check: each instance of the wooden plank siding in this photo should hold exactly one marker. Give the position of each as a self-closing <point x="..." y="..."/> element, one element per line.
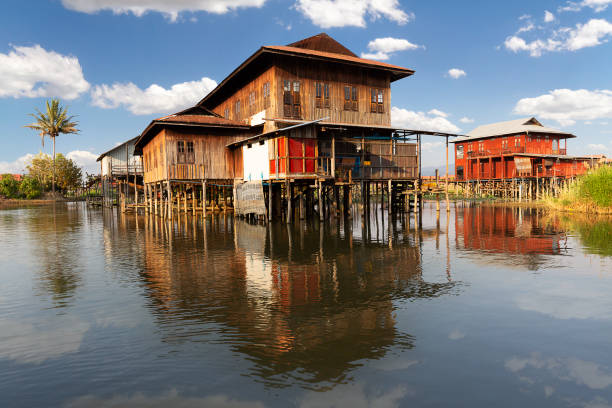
<point x="243" y="95"/>
<point x="210" y="159"/>
<point x="337" y="77"/>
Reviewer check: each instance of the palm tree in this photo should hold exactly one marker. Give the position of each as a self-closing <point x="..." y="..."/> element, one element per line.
<point x="54" y="122"/>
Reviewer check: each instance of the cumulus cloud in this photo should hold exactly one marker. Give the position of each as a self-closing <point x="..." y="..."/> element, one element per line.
<point x="383" y="48"/>
<point x="17" y="166"/>
<point x="342" y="13"/>
<point x="548" y="16"/>
<point x="32" y="72"/>
<point x="456" y="73"/>
<point x="591" y="34"/>
<point x="465" y="119"/>
<point x="437" y="112"/>
<point x="154" y="99"/>
<point x="86" y="160"/>
<point x="403" y="118"/>
<point x="170" y="9"/>
<point x="566" y="106"/>
<point x="596" y="5"/>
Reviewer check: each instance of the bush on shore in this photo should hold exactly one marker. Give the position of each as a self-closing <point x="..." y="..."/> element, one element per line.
<point x="27" y="187"/>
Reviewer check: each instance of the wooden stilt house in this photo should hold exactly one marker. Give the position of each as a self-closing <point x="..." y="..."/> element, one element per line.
<point x="309" y="113"/>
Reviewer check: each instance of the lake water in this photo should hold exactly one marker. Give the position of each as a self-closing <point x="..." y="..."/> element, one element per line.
<point x="485" y="306"/>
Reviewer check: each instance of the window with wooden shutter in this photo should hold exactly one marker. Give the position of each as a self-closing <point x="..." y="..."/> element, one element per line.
<point x="373" y="107"/>
<point x="354" y="105"/>
<point x="318" y="95"/>
<point x="326" y="95"/>
<point x="287" y="98"/>
<point x="190" y="154"/>
<point x="180" y="150"/>
<point x="297" y="112"/>
<point x="237" y="109"/>
<point x="380" y="100"/>
<point x="347" y="98"/>
<point x="226" y="113"/>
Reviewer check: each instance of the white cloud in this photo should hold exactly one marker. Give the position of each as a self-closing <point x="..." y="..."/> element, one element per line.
<point x="86" y="160"/>
<point x="403" y="118"/>
<point x="170" y="9"/>
<point x="383" y="48"/>
<point x="17" y="166"/>
<point x="597" y="5"/>
<point x="456" y="73"/>
<point x="598" y="147"/>
<point x="154" y="99"/>
<point x="465" y="119"/>
<point x="32" y="72"/>
<point x="566" y="106"/>
<point x="526" y="28"/>
<point x="437" y="112"/>
<point x="591" y="34"/>
<point x="548" y="16"/>
<point x="342" y="13"/>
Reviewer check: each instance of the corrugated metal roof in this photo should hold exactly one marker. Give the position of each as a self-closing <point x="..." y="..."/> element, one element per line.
<point x="274" y="132"/>
<point x="511" y="127"/>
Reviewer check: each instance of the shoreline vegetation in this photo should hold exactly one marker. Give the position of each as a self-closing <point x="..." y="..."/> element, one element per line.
<point x="591" y="193"/>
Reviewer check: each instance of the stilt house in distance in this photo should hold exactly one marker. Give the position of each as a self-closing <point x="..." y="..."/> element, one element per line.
<point x="311" y="112"/>
<point x="521" y="148"/>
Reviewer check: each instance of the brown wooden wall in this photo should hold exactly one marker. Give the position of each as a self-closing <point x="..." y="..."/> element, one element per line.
<point x="243" y="94"/>
<point x="308" y="73"/>
<point x="154" y="158"/>
<point x="337" y="77"/>
<point x="210" y="160"/>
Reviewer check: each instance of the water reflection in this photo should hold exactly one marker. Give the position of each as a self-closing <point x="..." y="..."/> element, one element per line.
<point x="519" y="236"/>
<point x="304" y="304"/>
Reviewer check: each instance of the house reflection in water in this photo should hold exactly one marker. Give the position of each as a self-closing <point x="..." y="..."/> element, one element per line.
<point x="526" y="233"/>
<point x="302" y="305"/>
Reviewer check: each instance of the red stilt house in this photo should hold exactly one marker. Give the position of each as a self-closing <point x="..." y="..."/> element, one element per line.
<point x="521" y="148"/>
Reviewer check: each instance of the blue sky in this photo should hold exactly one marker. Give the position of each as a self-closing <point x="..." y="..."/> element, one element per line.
<point x="117" y="64"/>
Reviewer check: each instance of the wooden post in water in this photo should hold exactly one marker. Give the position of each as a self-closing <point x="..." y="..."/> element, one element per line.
<point x="320" y="192"/>
<point x="270" y="200"/>
<point x="169" y="200"/>
<point x="446" y="183"/>
<point x="289" y="193"/>
<point x="390" y="196"/>
<point x="302" y="198"/>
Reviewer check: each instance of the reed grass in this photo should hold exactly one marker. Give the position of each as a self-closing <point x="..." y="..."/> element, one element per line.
<point x="590" y="193"/>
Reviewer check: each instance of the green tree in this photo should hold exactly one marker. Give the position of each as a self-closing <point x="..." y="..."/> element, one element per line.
<point x="30" y="188"/>
<point x="68" y="174"/>
<point x="54" y="122"/>
<point x="9" y="187"/>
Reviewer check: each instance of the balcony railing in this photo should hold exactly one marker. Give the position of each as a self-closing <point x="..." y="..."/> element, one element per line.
<point x="514" y="149"/>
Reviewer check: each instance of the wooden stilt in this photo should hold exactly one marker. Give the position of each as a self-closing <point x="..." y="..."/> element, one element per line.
<point x="320" y="193"/>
